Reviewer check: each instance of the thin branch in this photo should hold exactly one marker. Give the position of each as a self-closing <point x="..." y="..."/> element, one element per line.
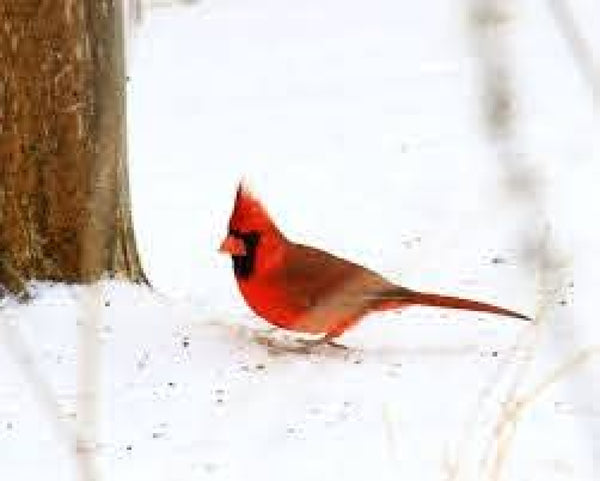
<point x="44" y="394"/>
<point x="582" y="53"/>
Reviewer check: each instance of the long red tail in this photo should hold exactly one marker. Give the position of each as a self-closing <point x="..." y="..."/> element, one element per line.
<point x="407" y="298"/>
<point x="437" y="300"/>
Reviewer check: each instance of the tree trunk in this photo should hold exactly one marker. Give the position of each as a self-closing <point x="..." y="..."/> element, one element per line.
<point x="64" y="200"/>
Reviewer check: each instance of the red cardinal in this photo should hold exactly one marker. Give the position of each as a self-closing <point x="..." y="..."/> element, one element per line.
<point x="304" y="289"/>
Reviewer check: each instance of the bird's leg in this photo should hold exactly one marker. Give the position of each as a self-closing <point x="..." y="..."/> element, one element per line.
<point x="330" y="342"/>
<point x="325" y="339"/>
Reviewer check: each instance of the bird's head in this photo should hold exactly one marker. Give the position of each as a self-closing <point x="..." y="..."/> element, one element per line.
<point x="253" y="240"/>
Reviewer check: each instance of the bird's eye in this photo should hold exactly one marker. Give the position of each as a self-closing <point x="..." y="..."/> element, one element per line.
<point x="249" y="237"/>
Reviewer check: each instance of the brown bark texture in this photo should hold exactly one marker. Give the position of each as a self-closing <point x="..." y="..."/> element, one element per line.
<point x="64" y="200"/>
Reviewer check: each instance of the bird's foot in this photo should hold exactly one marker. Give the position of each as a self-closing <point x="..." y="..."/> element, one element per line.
<point x="337" y="345"/>
<point x="309" y="344"/>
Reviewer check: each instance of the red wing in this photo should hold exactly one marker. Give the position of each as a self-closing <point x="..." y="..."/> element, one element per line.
<point x="317" y="278"/>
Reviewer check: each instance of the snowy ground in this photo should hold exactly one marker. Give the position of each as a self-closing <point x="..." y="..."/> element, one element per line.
<point x="186" y="395"/>
<point x="358" y="125"/>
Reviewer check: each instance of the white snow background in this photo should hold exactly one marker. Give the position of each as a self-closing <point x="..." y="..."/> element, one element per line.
<point x="359" y="125"/>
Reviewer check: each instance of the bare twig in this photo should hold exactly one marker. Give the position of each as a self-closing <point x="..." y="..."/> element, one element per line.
<point x="582" y="52"/>
<point x="491" y="28"/>
<point x="44" y="394"/>
<point x="88" y="383"/>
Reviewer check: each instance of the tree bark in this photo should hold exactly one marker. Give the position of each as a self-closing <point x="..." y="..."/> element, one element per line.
<point x="64" y="200"/>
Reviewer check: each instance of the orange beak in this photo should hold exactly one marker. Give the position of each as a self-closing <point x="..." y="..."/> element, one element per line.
<point x="233" y="245"/>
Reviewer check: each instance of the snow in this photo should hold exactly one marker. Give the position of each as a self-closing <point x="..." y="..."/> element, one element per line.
<point x="358" y="126"/>
<point x="186" y="395"/>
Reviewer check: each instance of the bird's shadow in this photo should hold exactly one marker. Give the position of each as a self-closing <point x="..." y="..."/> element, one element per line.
<point x="288" y="344"/>
<point x="279" y="343"/>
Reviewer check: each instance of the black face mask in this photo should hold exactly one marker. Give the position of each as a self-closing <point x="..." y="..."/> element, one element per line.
<point x="243" y="266"/>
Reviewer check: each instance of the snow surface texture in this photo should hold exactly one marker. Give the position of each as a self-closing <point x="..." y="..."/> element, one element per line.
<point x="359" y="125"/>
<point x="186" y="395"/>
